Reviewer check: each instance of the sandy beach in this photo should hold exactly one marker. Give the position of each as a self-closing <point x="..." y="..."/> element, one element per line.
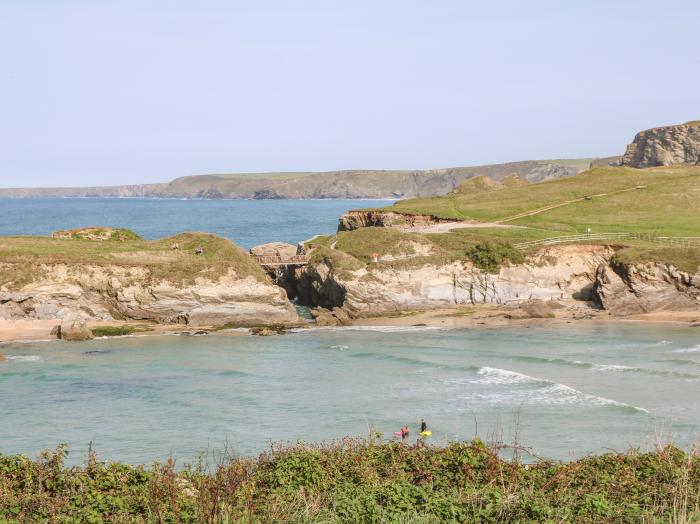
<point x="485" y="315"/>
<point x="35" y="330"/>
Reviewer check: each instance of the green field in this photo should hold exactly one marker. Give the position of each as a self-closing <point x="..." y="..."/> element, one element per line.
<point x="359" y="481"/>
<point x="657" y="202"/>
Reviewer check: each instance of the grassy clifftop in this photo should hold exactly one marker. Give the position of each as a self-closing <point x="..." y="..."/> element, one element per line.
<point x="179" y="265"/>
<point x="660" y="200"/>
<point x="359" y="482"/>
<point x="657" y="202"/>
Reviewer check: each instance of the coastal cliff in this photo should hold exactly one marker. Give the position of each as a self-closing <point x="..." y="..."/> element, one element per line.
<point x="665" y="146"/>
<point x="628" y="289"/>
<point x="379" y="218"/>
<point x="570" y="275"/>
<point x="162" y="281"/>
<point x="555" y="273"/>
<point x="359" y="183"/>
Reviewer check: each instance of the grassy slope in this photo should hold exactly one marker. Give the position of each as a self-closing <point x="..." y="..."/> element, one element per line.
<point x="658" y="202"/>
<point x="358" y="481"/>
<point x="181" y="266"/>
<point x="668" y="202"/>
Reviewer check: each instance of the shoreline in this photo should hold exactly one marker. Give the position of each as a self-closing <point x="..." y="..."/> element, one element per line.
<point x="474" y="317"/>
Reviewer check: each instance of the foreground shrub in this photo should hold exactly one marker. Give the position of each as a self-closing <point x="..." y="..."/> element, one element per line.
<point x="357" y="481"/>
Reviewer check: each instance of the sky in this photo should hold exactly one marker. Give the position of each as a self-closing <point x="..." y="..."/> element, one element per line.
<point x="120" y="92"/>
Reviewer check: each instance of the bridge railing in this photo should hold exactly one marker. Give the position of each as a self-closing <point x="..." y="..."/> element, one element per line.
<point x="571" y="238"/>
<point x="272" y="260"/>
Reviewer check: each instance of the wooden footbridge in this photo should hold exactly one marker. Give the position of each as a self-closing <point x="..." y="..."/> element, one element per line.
<point x="279" y="261"/>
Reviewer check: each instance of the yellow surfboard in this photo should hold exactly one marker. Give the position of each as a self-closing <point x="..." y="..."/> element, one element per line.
<point x="426" y="433"/>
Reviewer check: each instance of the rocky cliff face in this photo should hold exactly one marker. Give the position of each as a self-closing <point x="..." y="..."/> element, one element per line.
<point x="665" y="146"/>
<point x="629" y="289"/>
<point x="555" y="273"/>
<point x="120" y="292"/>
<point x="585" y="273"/>
<point x="370" y="218"/>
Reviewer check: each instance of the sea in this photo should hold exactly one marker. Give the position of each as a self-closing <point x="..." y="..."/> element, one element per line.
<point x="246" y="222"/>
<point x="558" y="390"/>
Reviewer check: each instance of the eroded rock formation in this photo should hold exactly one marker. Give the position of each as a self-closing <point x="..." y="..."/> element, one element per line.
<point x="559" y="273"/>
<point x="665" y="146"/>
<point x="629" y="289"/>
<point x="372" y="218"/>
<point x="556" y="273"/>
<point x="122" y="292"/>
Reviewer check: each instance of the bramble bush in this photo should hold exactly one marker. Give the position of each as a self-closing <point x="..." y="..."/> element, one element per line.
<point x="357" y="481"/>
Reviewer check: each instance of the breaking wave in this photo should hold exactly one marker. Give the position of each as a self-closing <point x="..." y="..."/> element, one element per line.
<point x="23" y="358"/>
<point x="388" y="357"/>
<point x="693" y="349"/>
<point x="544" y="391"/>
<point x="607" y="367"/>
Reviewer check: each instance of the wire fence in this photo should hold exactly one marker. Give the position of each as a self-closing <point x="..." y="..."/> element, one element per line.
<point x="687" y="242"/>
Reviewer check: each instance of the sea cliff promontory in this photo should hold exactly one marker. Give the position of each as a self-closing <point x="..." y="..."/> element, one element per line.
<point x="196" y="279"/>
<point x="611" y="241"/>
<point x="665" y="146"/>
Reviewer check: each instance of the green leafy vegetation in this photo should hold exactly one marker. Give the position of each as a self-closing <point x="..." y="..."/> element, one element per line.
<point x="489" y="256"/>
<point x="118" y="331"/>
<point x="357" y="481"/>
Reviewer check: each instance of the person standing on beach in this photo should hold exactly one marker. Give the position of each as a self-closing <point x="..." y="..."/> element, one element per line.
<point x="404" y="434"/>
<point x="423" y="426"/>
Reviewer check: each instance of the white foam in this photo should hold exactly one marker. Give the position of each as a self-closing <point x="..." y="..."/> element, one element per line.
<point x="380" y="329"/>
<point x="340" y="347"/>
<point x="552" y="394"/>
<point x="23" y="358"/>
<point x="694" y="349"/>
<point x="613" y="367"/>
<point x="503" y="376"/>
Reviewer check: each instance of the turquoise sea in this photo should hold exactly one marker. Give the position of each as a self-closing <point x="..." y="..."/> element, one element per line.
<point x="565" y="390"/>
<point x="246" y="222"/>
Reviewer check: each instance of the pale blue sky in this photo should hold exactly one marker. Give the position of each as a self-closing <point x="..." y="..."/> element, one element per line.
<point x="113" y="92"/>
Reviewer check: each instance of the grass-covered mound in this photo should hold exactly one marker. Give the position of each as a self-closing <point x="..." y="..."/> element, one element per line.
<point x="357" y="482"/>
<point x="174" y="259"/>
<point x="102" y="234"/>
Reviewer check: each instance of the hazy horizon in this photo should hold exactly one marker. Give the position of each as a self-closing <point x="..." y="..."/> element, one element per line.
<point x="128" y="93"/>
